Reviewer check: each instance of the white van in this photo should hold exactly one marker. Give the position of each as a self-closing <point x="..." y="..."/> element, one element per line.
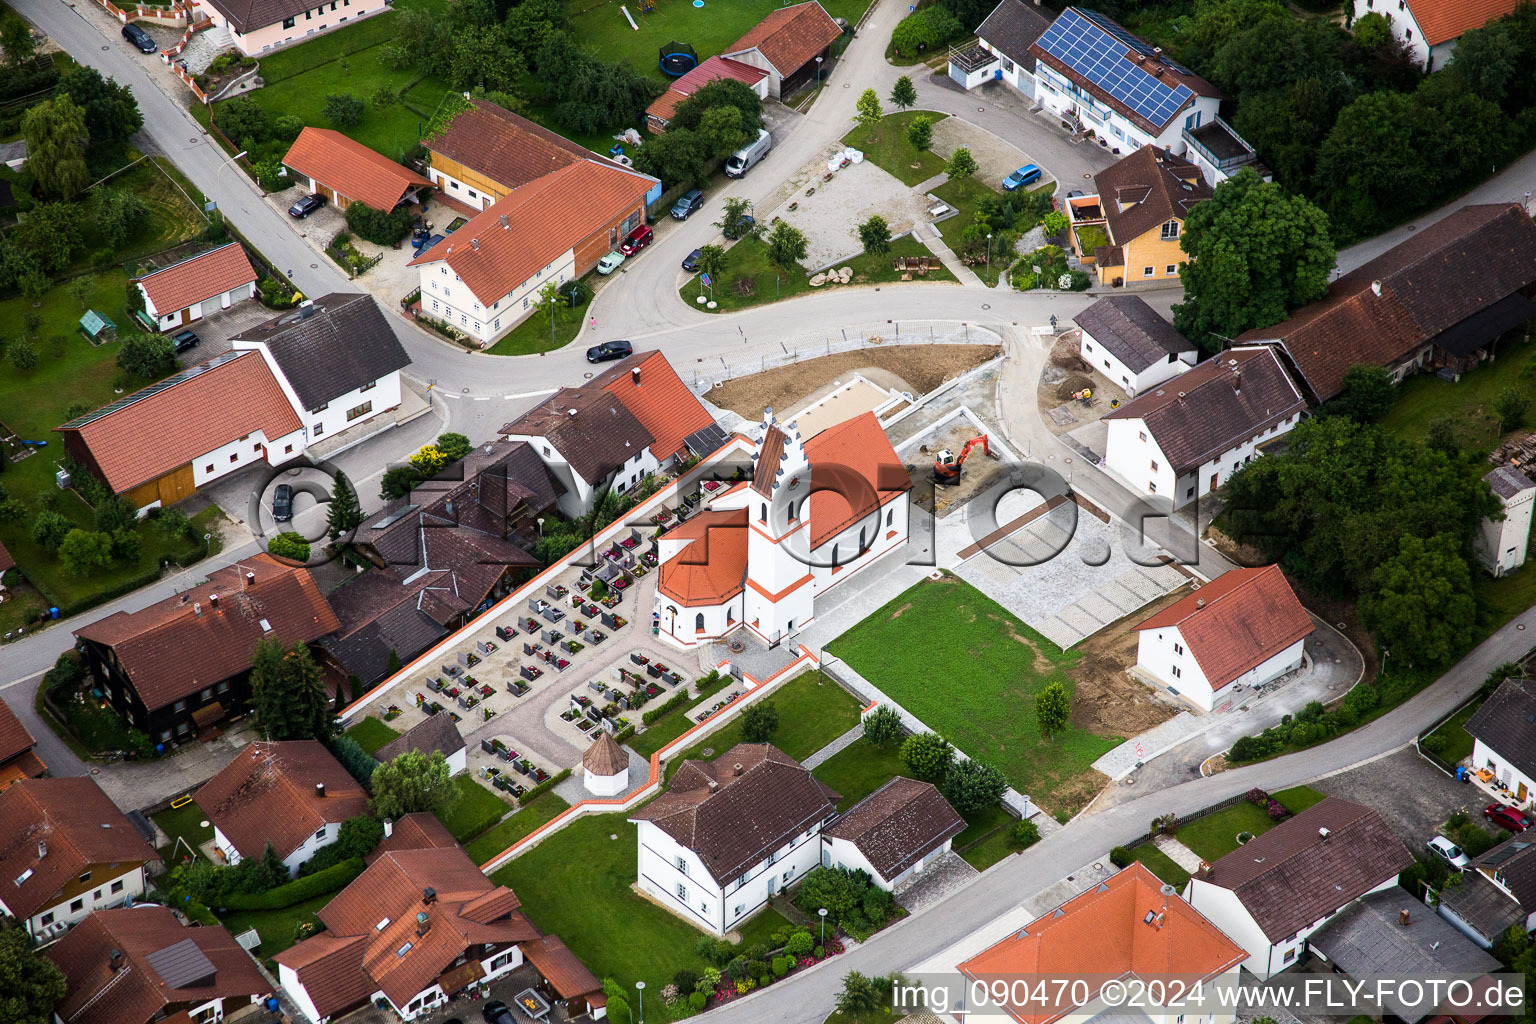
<point x="742" y="161"/>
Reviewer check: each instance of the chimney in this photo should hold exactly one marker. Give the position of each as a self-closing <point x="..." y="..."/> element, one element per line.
<point x="634" y="375"/>
<point x="115" y="960"/>
<point x="213" y="601"/>
<point x="429" y="896"/>
<point x="320" y="789"/>
<point x="713" y="785"/>
<point x="1199" y="602"/>
<point x="42" y="848"/>
<point x="736" y="769"/>
<point x="1323" y="834"/>
<point x="1404" y="918"/>
<point x="250" y="579"/>
<point x="1375" y="287"/>
<point x="1237" y="381"/>
<point x="197" y="608"/>
<point x="423" y="923"/>
<point x="506" y="225"/>
<point x="1204" y="871"/>
<point x="389" y="828"/>
<point x="571" y="413"/>
<point x="474" y="243"/>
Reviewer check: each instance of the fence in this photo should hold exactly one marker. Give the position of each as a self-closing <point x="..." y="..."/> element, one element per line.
<point x="176" y="12"/>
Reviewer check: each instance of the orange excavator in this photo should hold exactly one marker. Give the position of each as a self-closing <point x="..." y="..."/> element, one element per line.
<point x="946" y="465"/>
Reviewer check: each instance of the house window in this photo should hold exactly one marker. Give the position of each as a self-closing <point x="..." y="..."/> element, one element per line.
<point x="208" y="468"/>
<point x="117" y="886"/>
<point x="223" y="687"/>
<point x="1177" y="672"/>
<point x="179" y="706"/>
<point x="77" y="906"/>
<point x="234" y="456"/>
<point x="762" y="512"/>
<point x="369" y="386"/>
<point x="1190" y="493"/>
<point x="1170" y="231"/>
<point x="359" y="411"/>
<point x="309" y="15"/>
<point x="320" y="834"/>
<point x="1171" y="269"/>
<point x="1178" y="649"/>
<point x="682" y="864"/>
<point x="1154" y="465"/>
<point x="165" y="735"/>
<point x="1290" y="955"/>
<point x="698" y="622"/>
<point x="890" y="516"/>
<point x="182" y="729"/>
<point x="1408" y="33"/>
<point x="84" y="878"/>
<point x="1142" y="434"/>
<point x="318" y="429"/>
<point x="287" y="449"/>
<point x="739" y="908"/>
<point x="46" y="919"/>
<point x="1148" y="271"/>
<point x="787" y="874"/>
<point x="1151" y="488"/>
<point x="287" y="23"/>
<point x="682" y="892"/>
<point x="205" y="694"/>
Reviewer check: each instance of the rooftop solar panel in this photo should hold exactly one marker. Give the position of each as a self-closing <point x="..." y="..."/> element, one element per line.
<point x="155" y="389"/>
<point x="1095" y="48"/>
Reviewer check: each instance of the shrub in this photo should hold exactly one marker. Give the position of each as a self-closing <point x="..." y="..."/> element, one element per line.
<point x="925" y="30"/>
<point x="696" y="1001"/>
<point x="1120" y="857"/>
<point x="1258" y="797"/>
<point x="686" y="979"/>
<point x="378" y="227"/>
<point x="1435" y="743"/>
<point x="1277" y="811"/>
<point x="358" y="762"/>
<point x="329" y="880"/>
<point x="343" y="109"/>
<point x="678" y="700"/>
<point x="799" y="944"/>
<point x="289" y="545"/>
<point x="1024" y="834"/>
<point x="780" y="966"/>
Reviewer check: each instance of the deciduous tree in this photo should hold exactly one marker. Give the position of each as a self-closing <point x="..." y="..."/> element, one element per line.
<point x="30" y="984"/>
<point x="759" y="722"/>
<point x="398" y="481"/>
<point x="146" y="356"/>
<point x="920" y="132"/>
<point x="85" y="552"/>
<point x="875" y="235"/>
<point x="111" y="112"/>
<point x="51" y="232"/>
<point x="868" y="108"/>
<point x="1369" y="391"/>
<point x="16" y="39"/>
<point x="344" y="109"/>
<point x="961" y="164"/>
<point x="711" y="260"/>
<point x="971" y="786"/>
<point x="1053" y="708"/>
<point x="1420" y="603"/>
<point x="903" y="93"/>
<point x="412" y="782"/>
<point x="786" y="246"/>
<point x="927" y="756"/>
<point x="56" y="140"/>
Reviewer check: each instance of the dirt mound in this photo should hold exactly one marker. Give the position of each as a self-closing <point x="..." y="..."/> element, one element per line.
<point x="1065" y="355"/>
<point x="1072" y="383"/>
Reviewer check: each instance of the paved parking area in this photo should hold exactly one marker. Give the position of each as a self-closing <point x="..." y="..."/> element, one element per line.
<point x="996" y="156"/>
<point x="215" y="330"/>
<point x="1413" y="795"/>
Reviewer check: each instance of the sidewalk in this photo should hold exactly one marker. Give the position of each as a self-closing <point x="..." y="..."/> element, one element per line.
<point x="936" y="245"/>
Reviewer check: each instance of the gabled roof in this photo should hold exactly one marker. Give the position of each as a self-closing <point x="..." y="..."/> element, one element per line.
<point x="735" y="810"/>
<point x="209" y="632"/>
<point x="14" y="738"/>
<point x="1440" y="21"/>
<point x="605" y="757"/>
<point x="650" y="389"/>
<point x="419" y="830"/>
<point x="351" y="168"/>
<point x="859" y="447"/>
<point x="199" y="277"/>
<point x="505" y="147"/>
<point x="1132" y="332"/>
<point x="518" y="235"/>
<point x="1012" y="28"/>
<point x="1231" y="397"/>
<point x="1145" y="190"/>
<point x="267" y="795"/>
<point x="589" y="426"/>
<point x="712" y="70"/>
<point x="898" y="825"/>
<point x="1507" y="482"/>
<point x="1507" y="723"/>
<point x="1294" y="874"/>
<point x="1124" y="927"/>
<point x="712" y="567"/>
<point x="73" y="824"/>
<point x="433" y="733"/>
<point x="248" y="15"/>
<point x="1237" y="621"/>
<point x="790" y="37"/>
<point x="330" y="346"/>
<point x="163" y="427"/>
<point x="557" y="965"/>
<point x="1513" y="865"/>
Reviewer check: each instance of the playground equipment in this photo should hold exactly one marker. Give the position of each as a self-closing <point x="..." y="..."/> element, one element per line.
<point x="677" y="59"/>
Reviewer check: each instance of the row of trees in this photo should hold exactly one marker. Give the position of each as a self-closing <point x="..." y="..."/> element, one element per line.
<point x="968" y="785"/>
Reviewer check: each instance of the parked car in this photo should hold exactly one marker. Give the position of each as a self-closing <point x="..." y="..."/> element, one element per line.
<point x="608" y="264"/>
<point x="184" y="340"/>
<point x="140" y="39"/>
<point x="498" y="1012"/>
<point x="1026" y="175"/>
<point x="1449" y="852"/>
<point x="637" y="239"/>
<point x="1506" y="817"/>
<point x="691" y="261"/>
<point x="306" y="206"/>
<point x="687" y="204"/>
<point x="742" y="161"/>
<point x="610" y="350"/>
<point x="282" y="503"/>
<point x="1075" y="193"/>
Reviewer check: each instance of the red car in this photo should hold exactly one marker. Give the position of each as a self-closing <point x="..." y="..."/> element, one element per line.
<point x="637" y="239"/>
<point x="1506" y="817"/>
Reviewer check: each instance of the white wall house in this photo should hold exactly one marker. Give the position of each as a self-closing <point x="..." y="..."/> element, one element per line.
<point x="321" y="838"/>
<point x="1126" y="340"/>
<point x="107" y="886"/>
<point x="1430" y="29"/>
<point x="894" y="834"/>
<point x="1001" y="53"/>
<point x="446" y="297"/>
<point x="1504" y="738"/>
<point x="190" y="289"/>
<point x="242" y="452"/>
<point x="1502" y="543"/>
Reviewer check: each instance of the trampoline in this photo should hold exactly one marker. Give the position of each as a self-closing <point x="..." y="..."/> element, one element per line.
<point x="677" y="59"/>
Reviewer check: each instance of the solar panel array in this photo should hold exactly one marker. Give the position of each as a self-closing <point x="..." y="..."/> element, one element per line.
<point x="1097" y="53"/>
<point x="156" y="388"/>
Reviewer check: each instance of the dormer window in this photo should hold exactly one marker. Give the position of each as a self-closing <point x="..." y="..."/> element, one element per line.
<point x="1170" y="231"/>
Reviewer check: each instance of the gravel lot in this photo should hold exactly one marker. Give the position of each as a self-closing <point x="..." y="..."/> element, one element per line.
<point x="830" y="218"/>
<point x="1413" y="795"/>
<point x="996" y="157"/>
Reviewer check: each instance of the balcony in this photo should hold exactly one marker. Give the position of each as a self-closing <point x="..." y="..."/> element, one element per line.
<point x="1219" y="145"/>
<point x="1085" y="210"/>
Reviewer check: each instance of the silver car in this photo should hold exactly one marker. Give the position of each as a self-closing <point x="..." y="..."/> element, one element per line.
<point x="1449" y="852"/>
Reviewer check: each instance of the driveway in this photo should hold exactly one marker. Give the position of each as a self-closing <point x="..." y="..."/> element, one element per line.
<point x="215" y="330"/>
<point x="1413" y="795"/>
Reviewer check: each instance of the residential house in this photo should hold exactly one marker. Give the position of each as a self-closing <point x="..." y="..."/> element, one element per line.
<point x="1429" y="29"/>
<point x="336" y="358"/>
<point x="67" y="851"/>
<point x="893" y="834"/>
<point x="160" y="444"/>
<point x="605" y="767"/>
<point x="138" y="965"/>
<point x="1002" y="47"/>
<point x="1104" y="81"/>
<point x="658" y="116"/>
<point x="1130" y="230"/>
<point x="1415" y="305"/>
<point x="1219" y="152"/>
<point x="564" y="980"/>
<point x="1501" y="544"/>
<point x="175" y="669"/>
<point x="292" y="795"/>
<point x="17" y="758"/>
<point x="435" y="734"/>
<point x="1130" y="926"/>
<point x="790" y="44"/>
<point x="1503" y="735"/>
<point x="415" y="928"/>
<point x="328" y="163"/>
<point x="1186" y="436"/>
<point x="1243" y="629"/>
<point x="633" y="419"/>
<point x="1391" y="934"/>
<point x="1124" y="338"/>
<point x="256" y="26"/>
<point x="419" y="830"/>
<point x="1497" y="893"/>
<point x="814" y="513"/>
<point x="188" y="290"/>
<point x="730" y="833"/>
<point x="1271" y="894"/>
<point x="7" y="562"/>
<point x="485" y="278"/>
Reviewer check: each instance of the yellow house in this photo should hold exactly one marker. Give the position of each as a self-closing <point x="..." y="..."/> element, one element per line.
<point x="1130" y="230"/>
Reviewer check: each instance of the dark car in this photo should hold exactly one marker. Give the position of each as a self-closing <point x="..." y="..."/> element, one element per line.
<point x="306" y="206"/>
<point x="637" y="239"/>
<point x="685" y="206"/>
<point x="497" y="1012"/>
<point x="691" y="261"/>
<point x="609" y="350"/>
<point x="282" y="503"/>
<point x="140" y="39"/>
<point x="742" y="228"/>
<point x="185" y="340"/>
<point x="1506" y="817"/>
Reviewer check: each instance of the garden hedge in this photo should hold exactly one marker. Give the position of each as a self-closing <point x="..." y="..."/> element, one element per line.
<point x="542" y="788"/>
<point x="327" y="880"/>
<point x="678" y="700"/>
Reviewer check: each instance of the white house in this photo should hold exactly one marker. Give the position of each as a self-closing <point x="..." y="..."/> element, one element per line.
<point x="1123" y="338"/>
<point x="893" y="834"/>
<point x="1001" y="53"/>
<point x="1241" y="630"/>
<point x="1430" y="28"/>
<point x="605" y="767"/>
<point x="435" y="734"/>
<point x="1501" y="544"/>
<point x="1185" y="437"/>
<point x="1280" y="887"/>
<point x="185" y="292"/>
<point x="1497" y="893"/>
<point x="1503" y="731"/>
<point x="1215" y="147"/>
<point x="731" y="832"/>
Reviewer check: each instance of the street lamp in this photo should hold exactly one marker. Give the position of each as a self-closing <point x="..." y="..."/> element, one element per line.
<point x="818" y="82"/>
<point x="823" y="914"/>
<point x="989" y="254"/>
<point x="640" y="987"/>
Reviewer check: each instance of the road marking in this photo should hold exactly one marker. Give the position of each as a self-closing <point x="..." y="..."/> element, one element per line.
<point x="529" y="394"/>
<point x="482" y="398"/>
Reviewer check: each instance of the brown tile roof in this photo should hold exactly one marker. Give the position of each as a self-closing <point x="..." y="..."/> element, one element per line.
<point x="433" y="733"/>
<point x="605" y="757"/>
<point x="165" y="426"/>
<point x="790" y="37"/>
<point x="248" y="15"/>
<point x="1236" y="621"/>
<point x="650" y="389"/>
<point x="591" y="428"/>
<point x="351" y="168"/>
<point x="419" y="830"/>
<point x="543" y="219"/>
<point x="712" y="70"/>
<point x="734" y="819"/>
<point x="857" y="446"/>
<point x="1513" y="864"/>
<point x="770" y="452"/>
<point x="712" y="567"/>
<point x="898" y="825"/>
<point x="1384" y="310"/>
<point x="1292" y="875"/>
<point x="200" y="277"/>
<point x="14" y="738"/>
<point x="1507" y="481"/>
<point x="1146" y="189"/>
<point x="1105" y="931"/>
<point x="184" y="644"/>
<point x="1012" y="28"/>
<point x="1132" y="332"/>
<point x="1229" y="398"/>
<point x="1507" y="723"/>
<point x="267" y="795"/>
<point x="1440" y="21"/>
<point x="74" y="824"/>
<point x="330" y="346"/>
<point x="560" y="967"/>
<point x="164" y="964"/>
<point x="505" y="147"/>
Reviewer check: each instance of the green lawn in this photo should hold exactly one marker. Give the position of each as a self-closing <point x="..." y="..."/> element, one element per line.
<point x="984" y="840"/>
<point x="275" y="927"/>
<point x="1502" y="599"/>
<point x="885" y="145"/>
<point x="812" y="713"/>
<point x="1215" y="835"/>
<point x="668" y="728"/>
<point x="748" y="260"/>
<point x="1161" y="865"/>
<point x="533" y="334"/>
<point x="184" y="822"/>
<point x="476" y="809"/>
<point x="1425" y="398"/>
<point x="970" y="670"/>
<point x="1458" y="742"/>
<point x="498" y="837"/>
<point x="860" y="770"/>
<point x="372" y="733"/>
<point x="965" y="195"/>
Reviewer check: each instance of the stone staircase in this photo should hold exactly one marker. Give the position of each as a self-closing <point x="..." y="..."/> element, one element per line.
<point x="204" y="46"/>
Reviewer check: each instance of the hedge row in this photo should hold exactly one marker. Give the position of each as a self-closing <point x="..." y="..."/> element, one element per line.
<point x="542" y="788"/>
<point x="327" y="880"/>
<point x="678" y="700"/>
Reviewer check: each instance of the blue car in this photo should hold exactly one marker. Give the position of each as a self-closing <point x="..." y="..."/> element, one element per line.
<point x="1026" y="175"/>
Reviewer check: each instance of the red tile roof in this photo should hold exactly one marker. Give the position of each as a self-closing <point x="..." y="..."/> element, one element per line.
<point x="167" y="425"/>
<point x="658" y="398"/>
<point x="790" y="36"/>
<point x="559" y="966"/>
<point x="712" y="567"/>
<point x="1237" y="621"/>
<point x="1440" y="21"/>
<point x="205" y="276"/>
<point x="505" y="147"/>
<point x="267" y="795"/>
<point x="416" y="831"/>
<point x="351" y="169"/>
<point x="1105" y="931"/>
<point x="184" y="644"/>
<point x="14" y="738"/>
<point x="712" y="70"/>
<point x="543" y="219"/>
<point x="857" y="446"/>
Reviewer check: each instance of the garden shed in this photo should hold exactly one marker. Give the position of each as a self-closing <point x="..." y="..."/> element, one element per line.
<point x="97" y="328"/>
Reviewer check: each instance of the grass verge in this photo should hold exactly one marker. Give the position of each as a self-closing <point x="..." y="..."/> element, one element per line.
<point x="534" y="334"/>
<point x="812" y="713"/>
<point x="475" y="810"/>
<point x="885" y="145"/>
<point x="1213" y="836"/>
<point x="1161" y="865"/>
<point x="372" y="733"/>
<point x="544" y="807"/>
